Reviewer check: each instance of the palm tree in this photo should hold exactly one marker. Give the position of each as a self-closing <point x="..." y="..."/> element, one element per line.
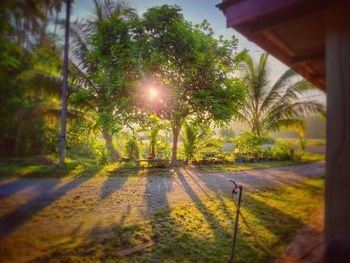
<point x="43" y="81"/>
<point x="271" y="107"/>
<point x="62" y="149"/>
<point x="48" y="68"/>
<point x="84" y="68"/>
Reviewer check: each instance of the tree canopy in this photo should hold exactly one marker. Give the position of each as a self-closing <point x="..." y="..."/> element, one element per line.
<point x="191" y="68"/>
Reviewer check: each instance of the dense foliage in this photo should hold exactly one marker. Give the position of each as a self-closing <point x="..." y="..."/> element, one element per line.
<point x="138" y="86"/>
<point x="27" y="121"/>
<point x="191" y="68"/>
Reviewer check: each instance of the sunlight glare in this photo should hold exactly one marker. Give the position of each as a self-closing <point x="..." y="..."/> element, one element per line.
<point x="153" y="93"/>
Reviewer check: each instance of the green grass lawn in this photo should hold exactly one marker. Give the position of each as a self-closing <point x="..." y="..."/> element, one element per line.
<point x="74" y="168"/>
<point x="309" y="142"/>
<point x="202" y="231"/>
<point x="87" y="168"/>
<point x="307" y="158"/>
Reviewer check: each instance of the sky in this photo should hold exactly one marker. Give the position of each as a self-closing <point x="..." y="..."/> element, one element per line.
<point x="196" y="11"/>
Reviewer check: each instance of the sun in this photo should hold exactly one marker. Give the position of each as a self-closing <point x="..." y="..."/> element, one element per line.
<point x="153" y="93"/>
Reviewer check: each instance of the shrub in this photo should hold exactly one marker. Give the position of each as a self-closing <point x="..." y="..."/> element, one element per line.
<point x="249" y="143"/>
<point x="128" y="165"/>
<point x="280" y="152"/>
<point x="132" y="149"/>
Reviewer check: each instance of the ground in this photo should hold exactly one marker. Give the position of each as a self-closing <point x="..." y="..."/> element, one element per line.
<point x="88" y="218"/>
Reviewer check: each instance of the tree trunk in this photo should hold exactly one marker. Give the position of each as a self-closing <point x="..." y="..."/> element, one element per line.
<point x="112" y="152"/>
<point x="152" y="150"/>
<point x="62" y="150"/>
<point x="176" y="132"/>
<point x="18" y="139"/>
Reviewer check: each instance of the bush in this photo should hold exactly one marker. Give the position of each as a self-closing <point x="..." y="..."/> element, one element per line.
<point x="128" y="165"/>
<point x="250" y="142"/>
<point x="132" y="149"/>
<point x="82" y="142"/>
<point x="280" y="152"/>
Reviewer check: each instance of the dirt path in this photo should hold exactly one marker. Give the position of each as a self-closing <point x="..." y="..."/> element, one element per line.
<point x="32" y="211"/>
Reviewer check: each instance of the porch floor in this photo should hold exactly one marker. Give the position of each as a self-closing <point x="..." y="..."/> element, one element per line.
<point x="308" y="245"/>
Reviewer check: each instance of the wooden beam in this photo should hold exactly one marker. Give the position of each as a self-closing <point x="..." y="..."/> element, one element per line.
<point x="289" y="16"/>
<point x="278" y="42"/>
<point x="318" y="76"/>
<point x="318" y="55"/>
<point x="245" y="11"/>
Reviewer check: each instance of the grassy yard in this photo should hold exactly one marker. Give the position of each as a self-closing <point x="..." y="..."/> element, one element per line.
<point x="202" y="231"/>
<point x="73" y="168"/>
<point x="307" y="158"/>
<point x="87" y="168"/>
<point x="309" y="142"/>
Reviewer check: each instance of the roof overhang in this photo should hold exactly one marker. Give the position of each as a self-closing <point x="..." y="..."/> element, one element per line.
<point x="294" y="31"/>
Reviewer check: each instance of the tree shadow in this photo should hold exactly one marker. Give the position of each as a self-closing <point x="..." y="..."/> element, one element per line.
<point x="111" y="185"/>
<point x="13" y="220"/>
<point x="48" y="193"/>
<point x="156" y="193"/>
<point x="281" y="224"/>
<point x="39" y="179"/>
<point x="18" y="184"/>
<point x="176" y="236"/>
<point x="210" y="218"/>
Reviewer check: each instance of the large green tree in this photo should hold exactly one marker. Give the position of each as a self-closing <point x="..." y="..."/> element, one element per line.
<point x="191" y="68"/>
<point x="104" y="52"/>
<point x="270" y="107"/>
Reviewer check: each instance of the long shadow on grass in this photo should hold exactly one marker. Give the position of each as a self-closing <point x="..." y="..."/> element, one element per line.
<point x="47" y="195"/>
<point x="111" y="185"/>
<point x="274" y="220"/>
<point x="177" y="232"/>
<point x="41" y="179"/>
<point x="277" y="222"/>
<point x="16" y="185"/>
<point x="10" y="222"/>
<point x="198" y="202"/>
<point x="156" y="192"/>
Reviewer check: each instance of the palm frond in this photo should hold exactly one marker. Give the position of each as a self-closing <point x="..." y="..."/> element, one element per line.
<point x="274" y="93"/>
<point x="290" y="123"/>
<point x="269" y="108"/>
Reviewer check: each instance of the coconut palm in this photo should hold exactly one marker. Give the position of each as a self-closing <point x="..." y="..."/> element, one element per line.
<point x="85" y="69"/>
<point x="87" y="94"/>
<point x="43" y="80"/>
<point x="271" y="107"/>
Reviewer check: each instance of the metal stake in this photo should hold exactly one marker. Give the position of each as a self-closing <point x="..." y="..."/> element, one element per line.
<point x="240" y="188"/>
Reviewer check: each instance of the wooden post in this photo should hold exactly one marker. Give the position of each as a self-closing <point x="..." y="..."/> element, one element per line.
<point x="337" y="215"/>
